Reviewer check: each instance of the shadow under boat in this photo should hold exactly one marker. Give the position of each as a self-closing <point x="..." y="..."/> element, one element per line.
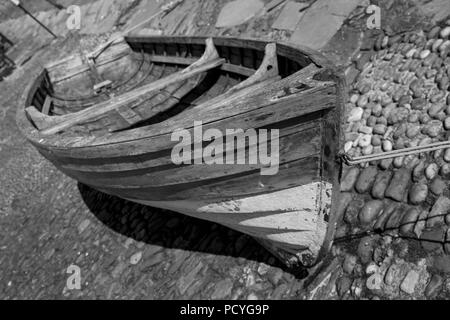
<point x="174" y="230"/>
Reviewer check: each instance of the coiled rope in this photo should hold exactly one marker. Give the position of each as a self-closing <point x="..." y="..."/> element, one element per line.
<point x="351" y="161"/>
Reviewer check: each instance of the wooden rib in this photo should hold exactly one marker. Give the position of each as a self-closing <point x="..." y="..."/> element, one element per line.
<point x="186" y="61"/>
<point x="47" y="104"/>
<point x="208" y="61"/>
<point x="249" y="103"/>
<point x="267" y="70"/>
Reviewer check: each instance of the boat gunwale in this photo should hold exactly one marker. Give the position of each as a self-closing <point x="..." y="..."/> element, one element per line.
<point x="284" y="49"/>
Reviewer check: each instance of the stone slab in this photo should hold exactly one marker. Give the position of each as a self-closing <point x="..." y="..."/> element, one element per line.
<point x="322" y="21"/>
<point x="290" y="16"/>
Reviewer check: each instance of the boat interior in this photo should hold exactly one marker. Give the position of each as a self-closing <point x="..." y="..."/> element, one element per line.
<point x="137" y="82"/>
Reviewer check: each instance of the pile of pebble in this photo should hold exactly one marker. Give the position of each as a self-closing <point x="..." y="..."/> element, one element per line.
<point x="400" y="99"/>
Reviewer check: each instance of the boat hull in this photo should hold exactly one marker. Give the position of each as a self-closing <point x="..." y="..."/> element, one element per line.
<point x="291" y="212"/>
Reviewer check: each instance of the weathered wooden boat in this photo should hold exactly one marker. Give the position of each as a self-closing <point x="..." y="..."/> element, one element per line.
<point x="108" y="123"/>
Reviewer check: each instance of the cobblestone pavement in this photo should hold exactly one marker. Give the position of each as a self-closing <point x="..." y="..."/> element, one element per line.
<point x="124" y="250"/>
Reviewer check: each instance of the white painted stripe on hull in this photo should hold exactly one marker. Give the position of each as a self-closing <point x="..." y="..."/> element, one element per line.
<point x="293" y="217"/>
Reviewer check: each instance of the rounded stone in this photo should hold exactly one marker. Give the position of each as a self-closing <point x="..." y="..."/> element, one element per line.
<point x="431" y="171"/>
<point x="412" y="131"/>
<point x="424" y="54"/>
<point x="379" y="129"/>
<point x="409" y="220"/>
<point x="447" y="155"/>
<point x="398" y="162"/>
<point x="349" y="263"/>
<point x="418" y="193"/>
<point x="376" y="140"/>
<point x="367" y="150"/>
<point x="355" y="114"/>
<point x="447" y="123"/>
<point x="437" y="186"/>
<point x="445" y="32"/>
<point x="387" y="145"/>
<point x="365" y="140"/>
<point x="370" y="211"/>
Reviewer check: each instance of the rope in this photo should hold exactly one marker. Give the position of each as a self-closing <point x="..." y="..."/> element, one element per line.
<point x="351" y="161"/>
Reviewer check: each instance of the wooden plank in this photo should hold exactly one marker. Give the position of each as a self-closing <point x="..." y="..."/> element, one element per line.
<point x="186" y="61"/>
<point x="291" y="174"/>
<point x="292" y="147"/>
<point x="47" y="104"/>
<point x="208" y="61"/>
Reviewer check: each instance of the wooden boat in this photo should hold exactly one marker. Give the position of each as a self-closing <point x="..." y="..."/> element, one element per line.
<point x="108" y="123"/>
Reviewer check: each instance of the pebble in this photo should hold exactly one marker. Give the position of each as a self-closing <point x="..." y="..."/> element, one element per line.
<point x="380" y="224"/>
<point x="433" y="128"/>
<point x="135" y="258"/>
<point x="387" y="145"/>
<point x="408" y="222"/>
<point x="445" y="32"/>
<point x="349" y="180"/>
<point x="366" y="179"/>
<point x="445" y="170"/>
<point x="434" y="287"/>
<point x="398" y="185"/>
<point x="365" y="140"/>
<point x="355" y="114"/>
<point x="370" y="212"/>
<point x="437" y="186"/>
<point x="431" y="171"/>
<point x="394" y="221"/>
<point x="365" y="249"/>
<point x="412" y="131"/>
<point x="447" y="123"/>
<point x="431" y="240"/>
<point x="419" y="103"/>
<point x="425" y="54"/>
<point x="437" y="44"/>
<point x="354" y="98"/>
<point x="410" y="282"/>
<point x="367" y="150"/>
<point x="398" y="162"/>
<point x="434" y="33"/>
<point x="348" y="146"/>
<point x="349" y="263"/>
<point x="343" y="285"/>
<point x="376" y="140"/>
<point x="352" y="212"/>
<point x="381" y="183"/>
<point x="440" y="208"/>
<point x="365" y="130"/>
<point x="418" y="193"/>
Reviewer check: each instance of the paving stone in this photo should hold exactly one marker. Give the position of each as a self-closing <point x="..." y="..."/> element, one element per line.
<point x="398" y="185"/>
<point x="366" y="179"/>
<point x="290" y="16"/>
<point x="238" y="12"/>
<point x="410" y="282"/>
<point x="432" y="240"/>
<point x="349" y="180"/>
<point x="434" y="287"/>
<point x="370" y="212"/>
<point x="321" y="21"/>
<point x="381" y="183"/>
<point x="437" y="214"/>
